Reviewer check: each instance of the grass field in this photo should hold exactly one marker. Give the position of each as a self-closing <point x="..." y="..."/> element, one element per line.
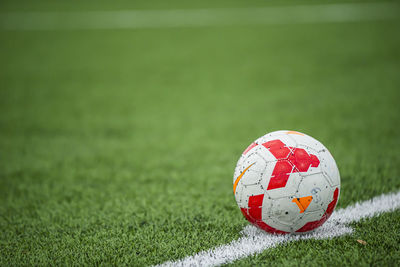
<point x="118" y="146"/>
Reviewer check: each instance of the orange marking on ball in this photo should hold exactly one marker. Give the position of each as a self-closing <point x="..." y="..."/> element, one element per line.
<point x="240" y="177"/>
<point x="294" y="132"/>
<point x="302" y="202"/>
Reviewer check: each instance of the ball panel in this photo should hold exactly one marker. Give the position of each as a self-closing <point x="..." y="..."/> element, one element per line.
<point x="307" y="141"/>
<point x="265" y="154"/>
<point x="275" y="224"/>
<point x="329" y="168"/>
<point x="283" y="211"/>
<point x="254" y="214"/>
<point x="284" y="138"/>
<point x="244" y="192"/>
<point x="289" y="189"/>
<point x="311" y="225"/>
<point x="248" y="159"/>
<point x="308" y="216"/>
<point x="251" y="170"/>
<point x="315" y="185"/>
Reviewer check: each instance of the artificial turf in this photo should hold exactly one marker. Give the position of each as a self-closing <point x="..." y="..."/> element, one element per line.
<point x="118" y="146"/>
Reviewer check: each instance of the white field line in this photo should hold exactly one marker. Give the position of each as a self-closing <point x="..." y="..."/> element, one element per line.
<point x="139" y="19"/>
<point x="255" y="241"/>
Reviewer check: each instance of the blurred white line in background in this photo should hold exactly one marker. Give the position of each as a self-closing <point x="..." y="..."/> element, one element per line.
<point x="141" y="19"/>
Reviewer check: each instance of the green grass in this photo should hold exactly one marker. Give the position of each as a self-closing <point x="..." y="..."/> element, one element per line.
<point x="118" y="146"/>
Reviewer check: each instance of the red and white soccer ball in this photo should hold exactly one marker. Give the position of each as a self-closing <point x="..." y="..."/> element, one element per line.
<point x="286" y="182"/>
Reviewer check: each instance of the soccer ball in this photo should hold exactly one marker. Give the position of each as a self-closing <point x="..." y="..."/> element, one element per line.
<point x="286" y="182"/>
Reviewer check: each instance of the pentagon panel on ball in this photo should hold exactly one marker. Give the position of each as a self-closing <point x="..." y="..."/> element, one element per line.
<point x="286" y="182"/>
